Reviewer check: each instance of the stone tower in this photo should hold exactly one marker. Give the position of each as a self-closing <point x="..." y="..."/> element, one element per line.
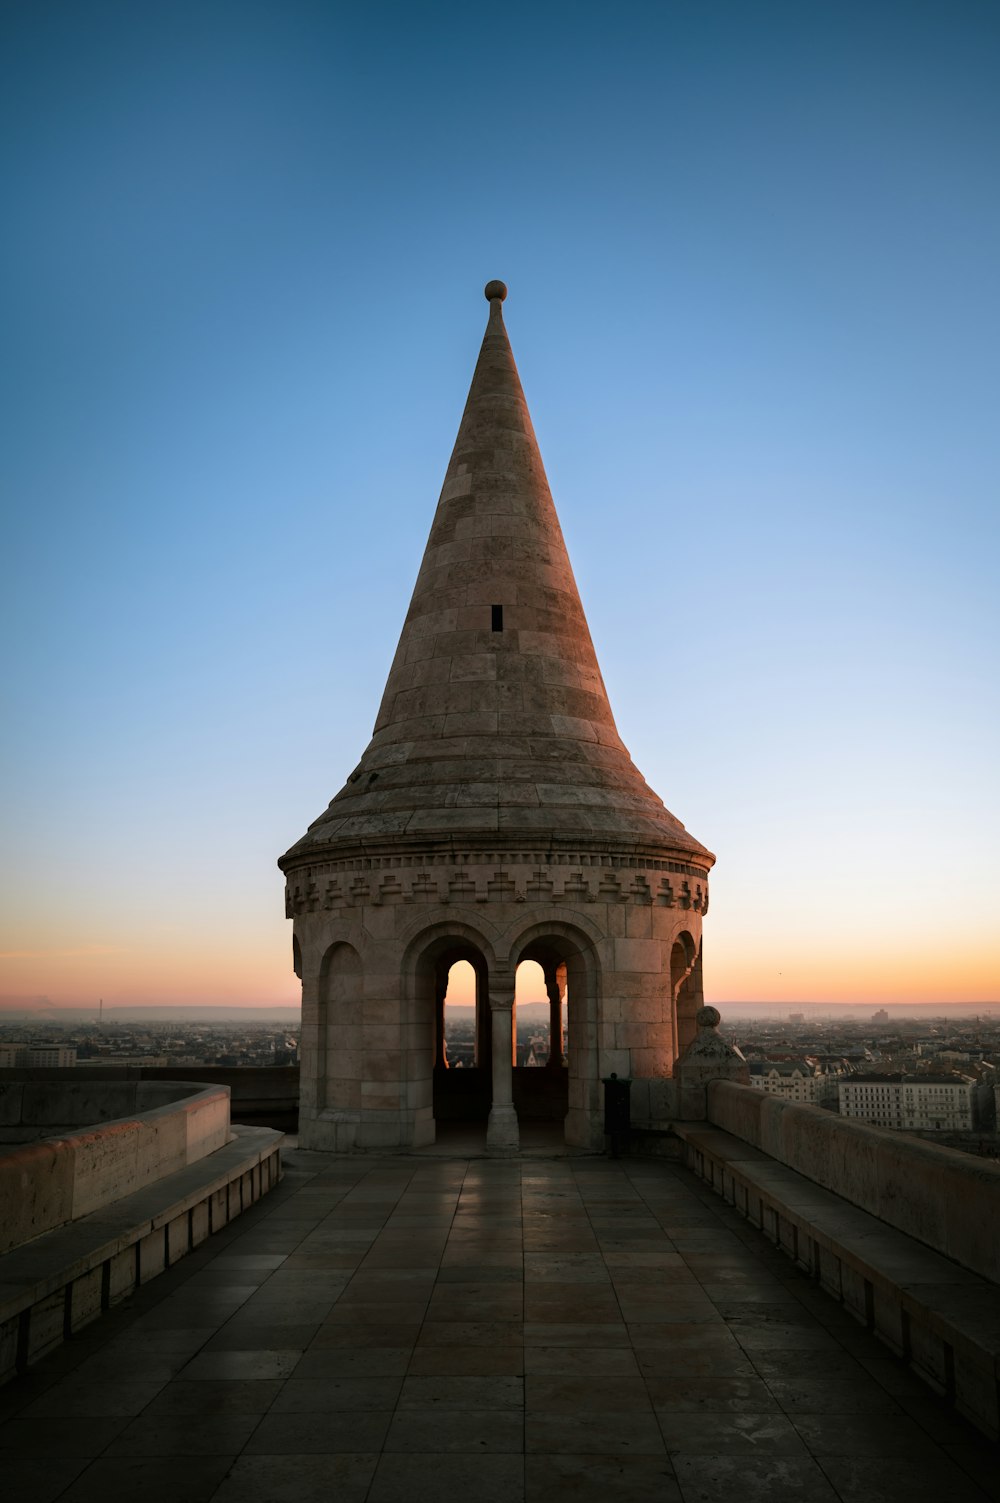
<point x="495" y="817"/>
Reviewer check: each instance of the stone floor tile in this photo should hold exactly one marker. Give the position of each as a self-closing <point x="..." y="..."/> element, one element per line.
<point x="676" y="1307"/>
<point x="593" y="1432"/>
<point x="720" y="1433"/>
<point x="303" y="1260"/>
<point x="771" y="1292"/>
<point x="978" y="1460"/>
<point x="683" y="1393"/>
<point x="38" y="1479"/>
<point x="680" y="1335"/>
<point x="55" y="1436"/>
<point x="235" y="1336"/>
<point x="298" y="1479"/>
<point x="789" y="1364"/>
<point x="770" y="1336"/>
<point x="832" y="1396"/>
<point x="237" y="1262"/>
<point x="215" y="1397"/>
<point x="584" y="1362"/>
<point x="898" y="1479"/>
<point x="687" y="1362"/>
<point x="574" y="1394"/>
<point x="467" y="1361"/>
<point x="943" y="1424"/>
<point x="576" y="1333"/>
<point x="252" y="1364"/>
<point x="185" y="1435"/>
<point x="480" y="1273"/>
<point x="150" y="1479"/>
<point x="378" y="1312"/>
<point x="354" y="1334"/>
<point x="596" y="1479"/>
<point x="74" y="1396"/>
<point x="622" y="1256"/>
<point x="393" y="1282"/>
<point x="301" y="1434"/>
<point x="752" y="1479"/>
<point x="734" y="1307"/>
<point x="462" y="1430"/>
<point x="471" y="1333"/>
<point x="423" y="1391"/>
<point x="567" y="1303"/>
<point x="353" y="1362"/>
<point x="865" y="1435"/>
<point x="477" y="1302"/>
<point x="416" y="1478"/>
<point x="573" y="1268"/>
<point x="676" y="1276"/>
<point x="283" y="1311"/>
<point x="138" y="1340"/>
<point x="317" y="1395"/>
<point x="115" y="1365"/>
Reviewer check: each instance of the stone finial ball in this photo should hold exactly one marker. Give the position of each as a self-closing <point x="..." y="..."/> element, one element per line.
<point x="708" y="1017"/>
<point x="495" y="289"/>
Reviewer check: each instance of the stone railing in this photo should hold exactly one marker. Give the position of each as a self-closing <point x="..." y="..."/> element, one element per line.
<point x="66" y="1174"/>
<point x="947" y="1200"/>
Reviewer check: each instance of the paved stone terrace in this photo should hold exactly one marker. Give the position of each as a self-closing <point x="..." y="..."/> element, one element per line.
<point x="401" y="1329"/>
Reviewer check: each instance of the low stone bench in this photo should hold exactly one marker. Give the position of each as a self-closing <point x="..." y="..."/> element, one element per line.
<point x="57" y="1282"/>
<point x="941" y="1318"/>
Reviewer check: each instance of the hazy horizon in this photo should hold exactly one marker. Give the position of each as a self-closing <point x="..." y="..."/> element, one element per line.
<point x="44" y="1008"/>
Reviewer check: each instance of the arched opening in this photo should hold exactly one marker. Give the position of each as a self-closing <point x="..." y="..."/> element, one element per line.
<point x="531" y="1017"/>
<point x="459" y="1043"/>
<point x="452" y="998"/>
<point x="566" y="1088"/>
<point x="340" y="1051"/>
<point x="684" y="989"/>
<point x="541" y="1082"/>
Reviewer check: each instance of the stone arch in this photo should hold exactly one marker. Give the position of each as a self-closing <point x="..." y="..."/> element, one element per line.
<point x="426" y="964"/>
<point x="568" y="955"/>
<point x="685" y="993"/>
<point x="339" y="1020"/>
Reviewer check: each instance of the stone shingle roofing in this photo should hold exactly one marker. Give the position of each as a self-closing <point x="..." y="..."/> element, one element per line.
<point x="495" y="721"/>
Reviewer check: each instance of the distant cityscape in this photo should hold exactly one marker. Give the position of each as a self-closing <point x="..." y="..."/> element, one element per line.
<point x="936" y="1075"/>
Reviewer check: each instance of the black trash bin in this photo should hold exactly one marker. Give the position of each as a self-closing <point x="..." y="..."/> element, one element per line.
<point x="617" y="1112"/>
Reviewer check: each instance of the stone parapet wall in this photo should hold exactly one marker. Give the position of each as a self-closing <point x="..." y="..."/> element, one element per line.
<point x="53" y="1286"/>
<point x="48" y="1183"/>
<point x="945" y="1199"/>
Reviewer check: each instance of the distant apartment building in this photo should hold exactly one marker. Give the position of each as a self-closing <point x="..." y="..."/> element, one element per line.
<point x="910" y="1103"/>
<point x="791" y="1079"/>
<point x="40" y="1056"/>
<point x="880" y="1018"/>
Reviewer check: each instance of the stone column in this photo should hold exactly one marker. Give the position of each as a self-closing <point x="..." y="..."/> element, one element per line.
<point x="552" y="987"/>
<point x="440" y="1046"/>
<point x="501" y="1132"/>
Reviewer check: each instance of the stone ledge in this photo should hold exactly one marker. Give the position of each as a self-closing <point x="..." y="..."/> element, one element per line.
<point x="938" y="1316"/>
<point x="56" y="1283"/>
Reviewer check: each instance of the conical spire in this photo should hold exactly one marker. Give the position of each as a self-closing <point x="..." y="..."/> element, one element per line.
<point x="495" y="721"/>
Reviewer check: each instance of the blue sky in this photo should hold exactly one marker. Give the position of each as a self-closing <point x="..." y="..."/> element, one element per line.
<point x="751" y="251"/>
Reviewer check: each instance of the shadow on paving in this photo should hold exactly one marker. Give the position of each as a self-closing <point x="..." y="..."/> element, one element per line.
<point x="389" y="1330"/>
